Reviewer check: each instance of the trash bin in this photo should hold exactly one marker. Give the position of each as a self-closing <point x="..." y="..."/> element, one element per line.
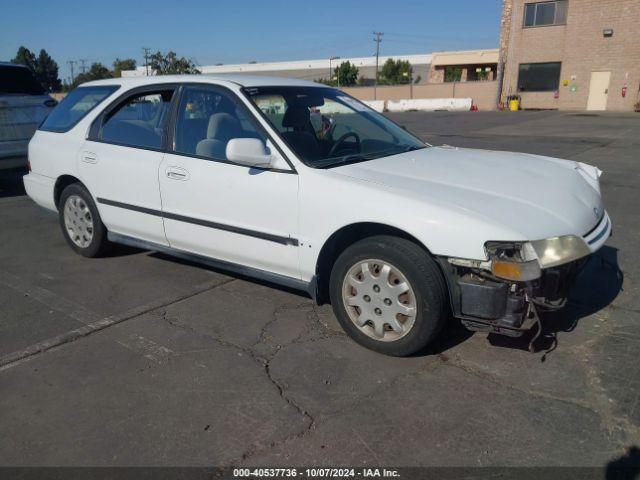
<point x="514" y="102"/>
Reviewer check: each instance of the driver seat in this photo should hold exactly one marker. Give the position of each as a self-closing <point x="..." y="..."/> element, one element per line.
<point x="304" y="143"/>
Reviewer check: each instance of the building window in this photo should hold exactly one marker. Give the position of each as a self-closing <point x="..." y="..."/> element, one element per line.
<point x="539" y="77"/>
<point x="544" y="14"/>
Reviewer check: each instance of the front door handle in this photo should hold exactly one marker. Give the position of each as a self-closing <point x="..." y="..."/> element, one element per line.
<point x="177" y="173"/>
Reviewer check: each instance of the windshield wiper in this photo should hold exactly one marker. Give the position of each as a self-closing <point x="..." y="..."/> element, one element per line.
<point x="410" y="148"/>
<point x="353" y="157"/>
<point x="361" y="157"/>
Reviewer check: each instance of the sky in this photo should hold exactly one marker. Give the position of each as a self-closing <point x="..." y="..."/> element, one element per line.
<point x="238" y="31"/>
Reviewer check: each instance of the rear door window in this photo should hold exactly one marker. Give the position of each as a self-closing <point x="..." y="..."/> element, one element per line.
<point x="139" y="121"/>
<point x="75" y="106"/>
<point x="17" y="80"/>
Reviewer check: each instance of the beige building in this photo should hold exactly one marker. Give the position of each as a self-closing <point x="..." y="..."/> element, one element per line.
<point x="571" y="54"/>
<point x="437" y="67"/>
<point x="463" y="66"/>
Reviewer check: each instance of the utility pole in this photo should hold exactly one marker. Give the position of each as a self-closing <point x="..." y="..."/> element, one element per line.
<point x="146" y="60"/>
<point x="331" y="71"/>
<point x="83" y="68"/>
<point x="378" y="39"/>
<point x="410" y="81"/>
<point x="71" y="64"/>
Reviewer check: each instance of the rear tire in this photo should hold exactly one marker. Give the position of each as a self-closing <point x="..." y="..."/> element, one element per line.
<point x="389" y="295"/>
<point x="80" y="221"/>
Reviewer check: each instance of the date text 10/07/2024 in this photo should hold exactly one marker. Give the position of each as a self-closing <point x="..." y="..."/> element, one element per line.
<point x="315" y="472"/>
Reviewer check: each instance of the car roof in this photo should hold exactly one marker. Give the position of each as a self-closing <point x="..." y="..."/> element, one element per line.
<point x="242" y="80"/>
<point x="10" y="64"/>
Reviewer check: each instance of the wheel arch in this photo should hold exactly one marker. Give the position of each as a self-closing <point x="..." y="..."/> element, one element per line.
<point x="342" y="239"/>
<point x="62" y="182"/>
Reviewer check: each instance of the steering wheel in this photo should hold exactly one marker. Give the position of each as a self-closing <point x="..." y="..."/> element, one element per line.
<point x="341" y="140"/>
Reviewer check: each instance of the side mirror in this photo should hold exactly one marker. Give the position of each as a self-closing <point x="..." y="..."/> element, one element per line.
<point x="249" y="151"/>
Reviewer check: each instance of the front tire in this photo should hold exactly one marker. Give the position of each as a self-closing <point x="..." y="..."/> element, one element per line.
<point x="389" y="295"/>
<point x="80" y="221"/>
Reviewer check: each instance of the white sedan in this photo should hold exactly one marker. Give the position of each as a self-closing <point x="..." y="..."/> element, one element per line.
<point x="396" y="234"/>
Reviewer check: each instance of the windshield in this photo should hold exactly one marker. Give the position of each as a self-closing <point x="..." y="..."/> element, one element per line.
<point x="325" y="127"/>
<point x="18" y="80"/>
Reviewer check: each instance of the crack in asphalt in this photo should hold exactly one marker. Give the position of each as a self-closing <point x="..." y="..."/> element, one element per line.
<point x="599" y="403"/>
<point x="15" y="358"/>
<point x="265" y="363"/>
<point x="316" y="330"/>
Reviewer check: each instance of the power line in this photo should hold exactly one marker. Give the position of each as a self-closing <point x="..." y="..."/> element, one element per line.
<point x="83" y="68"/>
<point x="378" y="39"/>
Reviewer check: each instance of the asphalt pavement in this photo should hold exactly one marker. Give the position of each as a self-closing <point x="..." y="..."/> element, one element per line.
<point x="142" y="359"/>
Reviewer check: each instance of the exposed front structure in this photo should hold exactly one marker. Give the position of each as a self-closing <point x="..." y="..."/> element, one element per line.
<point x="571" y="54"/>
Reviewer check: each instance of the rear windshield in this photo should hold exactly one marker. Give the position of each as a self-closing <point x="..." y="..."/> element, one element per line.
<point x="16" y="80"/>
<point x="75" y="106"/>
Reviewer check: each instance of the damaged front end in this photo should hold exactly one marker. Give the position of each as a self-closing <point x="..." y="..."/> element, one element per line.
<point x="505" y="293"/>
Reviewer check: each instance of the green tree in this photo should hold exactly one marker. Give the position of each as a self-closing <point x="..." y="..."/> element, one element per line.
<point x="66" y="86"/>
<point x="97" y="72"/>
<point x="24" y="56"/>
<point x="394" y="72"/>
<point x="44" y="68"/>
<point x="364" y="81"/>
<point x="346" y="74"/>
<point x="452" y="74"/>
<point x="124" y="64"/>
<point x="47" y="72"/>
<point x="169" y="64"/>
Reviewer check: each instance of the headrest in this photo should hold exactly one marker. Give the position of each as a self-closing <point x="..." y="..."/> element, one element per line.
<point x="296" y="116"/>
<point x="223" y="127"/>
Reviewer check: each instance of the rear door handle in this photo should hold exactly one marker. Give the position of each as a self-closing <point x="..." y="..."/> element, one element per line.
<point x="89" y="157"/>
<point x="177" y="173"/>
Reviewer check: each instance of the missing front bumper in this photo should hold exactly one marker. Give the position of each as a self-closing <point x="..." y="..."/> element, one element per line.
<point x="485" y="303"/>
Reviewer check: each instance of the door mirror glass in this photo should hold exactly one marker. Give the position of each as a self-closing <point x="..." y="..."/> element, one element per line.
<point x="249" y="151"/>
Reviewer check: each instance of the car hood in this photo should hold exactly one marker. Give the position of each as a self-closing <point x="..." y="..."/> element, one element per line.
<point x="539" y="197"/>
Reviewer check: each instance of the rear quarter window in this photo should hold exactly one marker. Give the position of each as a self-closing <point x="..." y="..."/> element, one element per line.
<point x="75" y="106"/>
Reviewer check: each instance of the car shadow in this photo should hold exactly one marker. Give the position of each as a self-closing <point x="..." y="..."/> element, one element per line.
<point x="222" y="271"/>
<point x="626" y="467"/>
<point x="11" y="182"/>
<point x="596" y="287"/>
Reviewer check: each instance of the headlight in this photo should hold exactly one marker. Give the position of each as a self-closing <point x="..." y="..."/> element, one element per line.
<point x="558" y="250"/>
<point x="515" y="261"/>
<point x="523" y="261"/>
